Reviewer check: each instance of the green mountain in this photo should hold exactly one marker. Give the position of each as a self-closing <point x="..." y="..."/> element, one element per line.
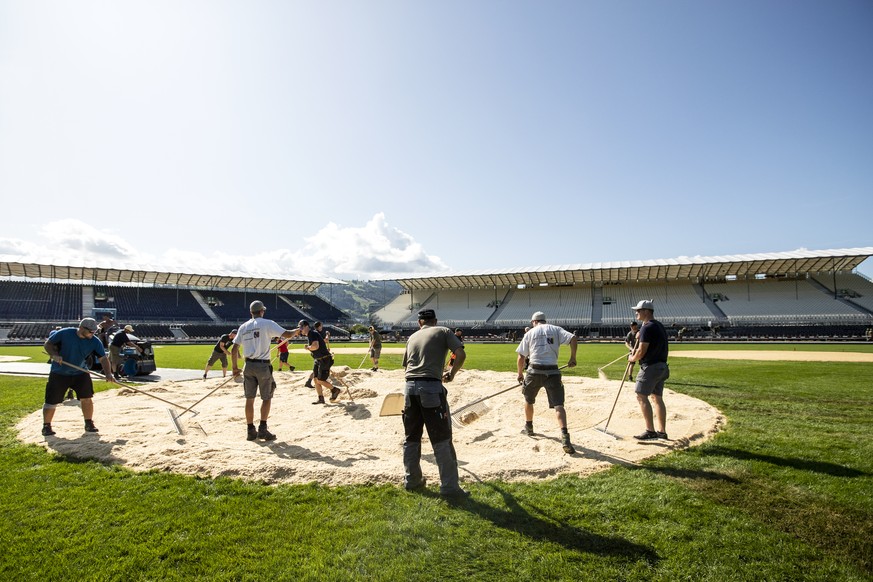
<point x="360" y="298"/>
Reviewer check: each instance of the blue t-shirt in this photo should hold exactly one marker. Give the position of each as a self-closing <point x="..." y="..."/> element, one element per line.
<point x="74" y="350"/>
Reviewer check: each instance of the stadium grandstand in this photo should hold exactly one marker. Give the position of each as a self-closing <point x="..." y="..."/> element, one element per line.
<point x="770" y="296"/>
<point x="162" y="306"/>
<point x="797" y="295"/>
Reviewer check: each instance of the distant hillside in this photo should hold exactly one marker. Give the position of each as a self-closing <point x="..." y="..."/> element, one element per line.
<point x="360" y="298"/>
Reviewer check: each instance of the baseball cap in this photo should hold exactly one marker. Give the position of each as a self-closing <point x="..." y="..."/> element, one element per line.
<point x="427" y="314"/>
<point x="256" y="307"/>
<point x="234" y="331"/>
<point x="89" y="323"/>
<point x="645" y="304"/>
<point x="302" y="323"/>
<point x="538" y="316"/>
<point x="128" y="328"/>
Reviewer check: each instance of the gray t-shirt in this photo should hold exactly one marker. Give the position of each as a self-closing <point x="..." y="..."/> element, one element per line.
<point x="426" y="351"/>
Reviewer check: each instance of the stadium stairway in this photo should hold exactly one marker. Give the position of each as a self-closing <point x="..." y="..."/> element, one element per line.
<point x="597" y="305"/>
<point x="205" y="306"/>
<point x="716" y="311"/>
<point x="500" y="307"/>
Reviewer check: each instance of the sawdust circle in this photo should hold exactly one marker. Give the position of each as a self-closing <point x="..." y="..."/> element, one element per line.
<point x="348" y="442"/>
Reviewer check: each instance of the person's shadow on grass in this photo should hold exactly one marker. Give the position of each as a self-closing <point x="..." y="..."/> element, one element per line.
<point x="537" y="524"/>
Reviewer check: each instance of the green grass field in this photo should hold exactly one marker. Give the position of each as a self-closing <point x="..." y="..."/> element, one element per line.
<point x="785" y="492"/>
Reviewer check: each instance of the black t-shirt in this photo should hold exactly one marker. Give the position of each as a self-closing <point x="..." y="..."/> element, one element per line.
<point x="655" y="335"/>
<point x="314" y="336"/>
<point x="225" y="340"/>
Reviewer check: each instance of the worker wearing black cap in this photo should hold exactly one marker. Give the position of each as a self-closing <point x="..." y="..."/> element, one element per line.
<point x="323" y="360"/>
<point x="220" y="353"/>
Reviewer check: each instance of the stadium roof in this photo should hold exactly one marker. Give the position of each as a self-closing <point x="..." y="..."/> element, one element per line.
<point x="10" y="267"/>
<point x="740" y="266"/>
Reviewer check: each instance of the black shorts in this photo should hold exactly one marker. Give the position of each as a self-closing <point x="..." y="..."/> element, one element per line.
<point x="321" y="369"/>
<point x="58" y="384"/>
<point x="283" y="356"/>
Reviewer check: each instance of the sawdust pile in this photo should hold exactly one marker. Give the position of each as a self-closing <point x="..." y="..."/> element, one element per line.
<point x="348" y="442"/>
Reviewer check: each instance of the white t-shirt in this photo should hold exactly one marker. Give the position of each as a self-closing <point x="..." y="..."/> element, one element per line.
<point x="256" y="336"/>
<point x="542" y="343"/>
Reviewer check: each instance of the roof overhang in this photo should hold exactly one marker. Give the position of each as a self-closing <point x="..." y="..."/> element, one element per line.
<point x="9" y="267"/>
<point x="681" y="268"/>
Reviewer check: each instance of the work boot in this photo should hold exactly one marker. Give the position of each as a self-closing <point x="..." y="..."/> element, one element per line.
<point x="204" y="376"/>
<point x="334" y="393"/>
<point x="646" y="436"/>
<point x="70" y="395"/>
<point x="291" y="368"/>
<point x="47" y="430"/>
<point x="528" y="429"/>
<point x="662" y="435"/>
<point x="320" y="400"/>
<point x="417" y="487"/>
<point x="265" y="435"/>
<point x="565" y="442"/>
<point x="309" y="384"/>
<point x="89" y="426"/>
<point x="252" y="433"/>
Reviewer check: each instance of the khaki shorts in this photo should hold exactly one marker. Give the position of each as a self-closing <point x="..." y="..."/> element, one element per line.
<point x="258" y="377"/>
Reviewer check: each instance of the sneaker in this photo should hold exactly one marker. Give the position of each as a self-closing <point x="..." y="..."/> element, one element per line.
<point x="565" y="442"/>
<point x="373" y="369"/>
<point x="309" y="384"/>
<point x="204" y="376"/>
<point x="662" y="435"/>
<point x="291" y="368"/>
<point x="421" y="485"/>
<point x="252" y="434"/>
<point x="528" y="429"/>
<point x="320" y="400"/>
<point x="646" y="436"/>
<point x="334" y="393"/>
<point x="89" y="426"/>
<point x="47" y="430"/>
<point x="265" y="435"/>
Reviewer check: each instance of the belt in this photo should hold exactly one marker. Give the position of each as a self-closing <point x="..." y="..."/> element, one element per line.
<point x="257" y="361"/>
<point x="322" y="357"/>
<point x="423" y="380"/>
<point x="543" y="367"/>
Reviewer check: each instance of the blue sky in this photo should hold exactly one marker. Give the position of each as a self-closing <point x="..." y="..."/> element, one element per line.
<point x="365" y="139"/>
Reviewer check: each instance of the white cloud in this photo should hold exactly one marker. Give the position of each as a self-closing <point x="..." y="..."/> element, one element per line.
<point x="375" y="250"/>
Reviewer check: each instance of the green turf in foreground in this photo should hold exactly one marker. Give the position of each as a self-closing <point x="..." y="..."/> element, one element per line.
<point x="784" y="493"/>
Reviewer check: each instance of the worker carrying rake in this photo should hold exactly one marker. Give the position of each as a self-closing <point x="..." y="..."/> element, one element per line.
<point x="541" y="345"/>
<point x="426" y="405"/>
<point x="69" y="348"/>
<point x="254" y="338"/>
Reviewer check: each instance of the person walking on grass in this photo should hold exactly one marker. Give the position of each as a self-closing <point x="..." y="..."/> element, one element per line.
<point x="322" y="361"/>
<point x="282" y="348"/>
<point x="220" y="353"/>
<point x="426" y="405"/>
<point x="375" y="347"/>
<point x="254" y="339"/>
<point x="541" y="345"/>
<point x="73" y="346"/>
<point x="651" y="352"/>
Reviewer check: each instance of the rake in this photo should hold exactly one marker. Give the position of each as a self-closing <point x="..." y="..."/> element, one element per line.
<point x="128" y="386"/>
<point x="620" y="386"/>
<point x="477" y="408"/>
<point x="174" y="418"/>
<point x="600" y="371"/>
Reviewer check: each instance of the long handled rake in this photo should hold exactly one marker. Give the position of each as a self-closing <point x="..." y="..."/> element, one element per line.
<point x="364" y="359"/>
<point x="620" y="386"/>
<point x="600" y="371"/>
<point x="477" y="408"/>
<point x="128" y="386"/>
<point x="175" y="418"/>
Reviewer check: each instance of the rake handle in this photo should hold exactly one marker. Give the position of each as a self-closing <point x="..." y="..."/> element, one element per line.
<point x="617" y="394"/>
<point x="74" y="366"/>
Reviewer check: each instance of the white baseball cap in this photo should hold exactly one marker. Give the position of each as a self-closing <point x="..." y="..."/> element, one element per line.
<point x="645" y="304"/>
